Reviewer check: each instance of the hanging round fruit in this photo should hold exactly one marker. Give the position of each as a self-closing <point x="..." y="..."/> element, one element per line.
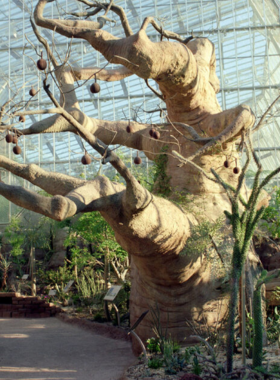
<point x="9" y="138"/>
<point x="151" y="132"/>
<point x="21" y="119"/>
<point x="137" y="159"/>
<point x="15" y="139"/>
<point x="226" y="164"/>
<point x="17" y="149"/>
<point x="129" y="128"/>
<point x="95" y="88"/>
<point x="156" y="135"/>
<point x="42" y="63"/>
<point x="32" y="92"/>
<point x="86" y="160"/>
<point x="236" y="170"/>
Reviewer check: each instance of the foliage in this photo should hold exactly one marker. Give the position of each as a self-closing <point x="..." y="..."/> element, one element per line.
<point x="250" y="326"/>
<point x="210" y="332"/>
<point x="275" y="368"/>
<point x="92" y="229"/>
<point x="22" y="233"/>
<point x="190" y="352"/>
<point x="86" y="284"/>
<point x="153" y="345"/>
<point x="273" y="326"/>
<point x="5" y="266"/>
<point x="271" y="216"/>
<point x="15" y="237"/>
<point x="202" y="235"/>
<point x="161" y="179"/>
<point x="272" y="374"/>
<point x="196" y="366"/>
<point x="155" y="363"/>
<point x="58" y="277"/>
<point x="173" y="360"/>
<point x="276" y="293"/>
<point x="161" y="334"/>
<point x="243" y="224"/>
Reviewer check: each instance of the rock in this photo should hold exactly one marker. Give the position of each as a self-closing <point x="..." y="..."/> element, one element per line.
<point x="57" y="260"/>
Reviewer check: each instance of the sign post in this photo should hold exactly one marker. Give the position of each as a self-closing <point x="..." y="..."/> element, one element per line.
<point x="109" y="297"/>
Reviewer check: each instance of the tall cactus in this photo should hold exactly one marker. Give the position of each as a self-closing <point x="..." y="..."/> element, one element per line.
<point x="258" y="318"/>
<point x="258" y="322"/>
<point x="243" y="224"/>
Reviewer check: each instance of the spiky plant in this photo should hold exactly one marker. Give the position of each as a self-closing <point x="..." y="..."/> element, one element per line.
<point x="243" y="224"/>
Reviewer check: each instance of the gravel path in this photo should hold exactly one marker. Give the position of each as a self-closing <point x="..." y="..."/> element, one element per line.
<point x="51" y="349"/>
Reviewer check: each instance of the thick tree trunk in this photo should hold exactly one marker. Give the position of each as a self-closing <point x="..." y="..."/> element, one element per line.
<point x="165" y="273"/>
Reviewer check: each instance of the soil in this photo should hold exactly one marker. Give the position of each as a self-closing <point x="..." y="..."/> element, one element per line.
<point x="141" y="369"/>
<point x="143" y="372"/>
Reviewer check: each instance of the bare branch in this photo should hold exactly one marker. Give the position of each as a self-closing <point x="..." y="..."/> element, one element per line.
<point x="137" y="197"/>
<point x="154" y="91"/>
<point x="165" y="33"/>
<point x="114" y="8"/>
<point x="38" y="112"/>
<point x="108" y="75"/>
<point x="44" y="43"/>
<point x="187" y="161"/>
<point x="259" y="125"/>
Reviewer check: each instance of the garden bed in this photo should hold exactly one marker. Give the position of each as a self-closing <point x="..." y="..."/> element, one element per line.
<point x="206" y="366"/>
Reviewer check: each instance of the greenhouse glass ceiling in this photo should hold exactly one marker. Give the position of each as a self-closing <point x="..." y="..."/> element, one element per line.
<point x="245" y="34"/>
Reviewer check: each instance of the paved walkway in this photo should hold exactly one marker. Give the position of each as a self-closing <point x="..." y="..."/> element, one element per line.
<point x="51" y="349"/>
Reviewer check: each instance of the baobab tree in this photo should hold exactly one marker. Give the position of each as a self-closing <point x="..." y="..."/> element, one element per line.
<point x="153" y="230"/>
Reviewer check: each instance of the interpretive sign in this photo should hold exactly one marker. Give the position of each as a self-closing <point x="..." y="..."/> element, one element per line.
<point x="112" y="293"/>
<point x="68" y="286"/>
<point x="52" y="292"/>
<point x="25" y="276"/>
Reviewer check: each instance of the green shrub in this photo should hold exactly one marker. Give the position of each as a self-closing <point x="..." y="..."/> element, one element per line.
<point x="155" y="363"/>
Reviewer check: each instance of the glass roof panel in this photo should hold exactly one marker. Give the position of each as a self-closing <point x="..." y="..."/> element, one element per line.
<point x="245" y="34"/>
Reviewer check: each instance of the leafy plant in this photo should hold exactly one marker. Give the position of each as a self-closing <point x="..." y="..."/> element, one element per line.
<point x="276" y="293"/>
<point x="275" y="368"/>
<point x="273" y="326"/>
<point x="201" y="235"/>
<point x="190" y="352"/>
<point x="196" y="367"/>
<point x="155" y="363"/>
<point x="161" y="334"/>
<point x="5" y="266"/>
<point x="153" y="345"/>
<point x="23" y="233"/>
<point x="98" y="241"/>
<point x="173" y="361"/>
<point x="161" y="179"/>
<point x="271" y="216"/>
<point x="86" y="285"/>
<point x="243" y="224"/>
<point x="250" y="325"/>
<point x="58" y="277"/>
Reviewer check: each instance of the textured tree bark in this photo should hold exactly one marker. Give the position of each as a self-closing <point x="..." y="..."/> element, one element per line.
<point x="153" y="230"/>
